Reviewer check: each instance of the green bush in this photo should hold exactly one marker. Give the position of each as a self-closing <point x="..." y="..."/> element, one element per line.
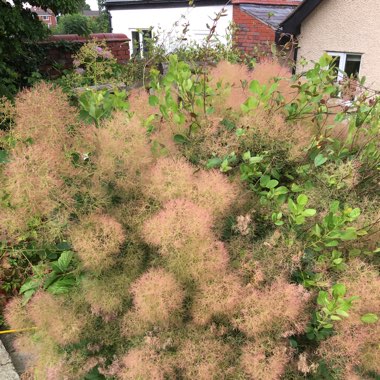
<point x="79" y="24"/>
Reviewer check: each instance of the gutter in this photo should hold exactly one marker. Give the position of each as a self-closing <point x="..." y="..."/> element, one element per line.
<point x="151" y="4"/>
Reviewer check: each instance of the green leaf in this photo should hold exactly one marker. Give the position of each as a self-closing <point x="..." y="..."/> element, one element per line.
<point x="50" y="279"/>
<point x="255" y="87"/>
<point x="335" y="318"/>
<point x="28" y="295"/>
<point x="369" y="318"/>
<point x="316" y="230"/>
<point x="338" y="290"/>
<point x="271" y="184"/>
<point x="319" y="160"/>
<point x="302" y="199"/>
<point x="342" y="313"/>
<point x="214" y="162"/>
<point x="63" y="246"/>
<point x="3" y="157"/>
<point x="255" y="160"/>
<point x="210" y="110"/>
<point x="323" y="298"/>
<point x="332" y="243"/>
<point x="230" y="125"/>
<point x="246" y="156"/>
<point x="292" y="206"/>
<point x="296" y="188"/>
<point x="264" y="180"/>
<point x="153" y="100"/>
<point x="281" y="190"/>
<point x="64" y="260"/>
<point x="349" y="234"/>
<point x="334" y="206"/>
<point x="30" y="284"/>
<point x="62" y="286"/>
<point x="309" y="212"/>
<point x="181" y="139"/>
<point x="178" y="118"/>
<point x="225" y="167"/>
<point x="355" y="213"/>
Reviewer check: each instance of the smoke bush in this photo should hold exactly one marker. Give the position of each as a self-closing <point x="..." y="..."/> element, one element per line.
<point x="218" y="297"/>
<point x="354" y="344"/>
<point x="156" y="297"/>
<point x="50" y="314"/>
<point x="97" y="239"/>
<point x="142" y="363"/>
<point x="262" y="362"/>
<point x="203" y="358"/>
<point x="170" y="242"/>
<point x="278" y="310"/>
<point x="172" y="179"/>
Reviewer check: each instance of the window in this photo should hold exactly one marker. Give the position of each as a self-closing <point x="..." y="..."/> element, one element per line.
<point x="45" y="17"/>
<point x="346" y="64"/>
<point x="140" y="41"/>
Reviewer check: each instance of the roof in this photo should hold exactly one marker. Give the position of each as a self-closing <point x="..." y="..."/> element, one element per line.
<point x="271" y="15"/>
<point x="141" y="4"/>
<point x="41" y="12"/>
<point x="292" y="24"/>
<point x="91" y="13"/>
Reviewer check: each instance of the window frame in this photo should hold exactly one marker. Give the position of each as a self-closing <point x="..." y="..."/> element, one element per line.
<point x="141" y="48"/>
<point x="342" y="62"/>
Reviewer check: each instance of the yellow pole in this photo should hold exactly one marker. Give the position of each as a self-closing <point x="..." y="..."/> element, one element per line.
<point x="17" y="330"/>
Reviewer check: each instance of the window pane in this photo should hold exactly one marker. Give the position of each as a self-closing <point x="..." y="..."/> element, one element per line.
<point x="335" y="64"/>
<point x="136" y="42"/>
<point x="352" y="67"/>
<point x="147" y="33"/>
<point x="147" y="36"/>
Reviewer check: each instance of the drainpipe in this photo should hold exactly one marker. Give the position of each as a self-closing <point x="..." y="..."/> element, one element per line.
<point x="109" y="18"/>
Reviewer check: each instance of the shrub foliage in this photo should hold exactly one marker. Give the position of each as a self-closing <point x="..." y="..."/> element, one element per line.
<point x="225" y="227"/>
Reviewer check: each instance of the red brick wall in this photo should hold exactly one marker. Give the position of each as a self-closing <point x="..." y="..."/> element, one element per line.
<point x="250" y="30"/>
<point x="61" y="48"/>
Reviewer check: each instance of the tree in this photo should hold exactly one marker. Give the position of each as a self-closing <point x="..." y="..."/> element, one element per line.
<point x="86" y="7"/>
<point x="79" y="24"/>
<point x="104" y="19"/>
<point x="20" y="29"/>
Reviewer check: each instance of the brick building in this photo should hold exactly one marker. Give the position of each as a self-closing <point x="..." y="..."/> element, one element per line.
<point x="47" y="17"/>
<point x="258" y="20"/>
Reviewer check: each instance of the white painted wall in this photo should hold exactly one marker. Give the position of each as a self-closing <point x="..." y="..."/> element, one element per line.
<point x="168" y="23"/>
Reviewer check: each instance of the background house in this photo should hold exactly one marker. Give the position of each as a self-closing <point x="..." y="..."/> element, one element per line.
<point x="47" y="17"/>
<point x="257" y="20"/>
<point x="346" y="29"/>
<point x="90" y="13"/>
<point x="168" y="18"/>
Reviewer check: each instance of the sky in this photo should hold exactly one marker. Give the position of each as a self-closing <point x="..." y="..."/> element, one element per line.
<point x="93" y="4"/>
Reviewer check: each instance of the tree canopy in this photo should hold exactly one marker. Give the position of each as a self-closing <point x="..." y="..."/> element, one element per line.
<point x="19" y="28"/>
